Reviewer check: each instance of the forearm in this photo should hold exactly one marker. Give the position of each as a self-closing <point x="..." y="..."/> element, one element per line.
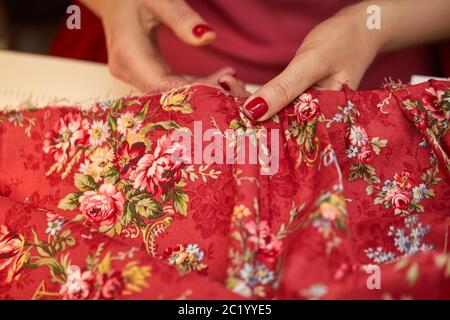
<point x="404" y="22"/>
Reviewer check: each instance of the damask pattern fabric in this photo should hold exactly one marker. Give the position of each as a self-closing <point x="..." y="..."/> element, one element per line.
<point x="94" y="205"/>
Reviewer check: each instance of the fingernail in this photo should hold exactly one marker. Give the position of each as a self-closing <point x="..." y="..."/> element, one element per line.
<point x="257" y="108"/>
<point x="224" y="85"/>
<point x="200" y="29"/>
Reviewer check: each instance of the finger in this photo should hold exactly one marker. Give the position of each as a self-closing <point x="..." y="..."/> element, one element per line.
<point x="301" y="73"/>
<point x="226" y="78"/>
<point x="214" y="77"/>
<point x="183" y="20"/>
<point x="137" y="66"/>
<point x="233" y="86"/>
<point x="131" y="56"/>
<point x="169" y="82"/>
<point x="336" y="82"/>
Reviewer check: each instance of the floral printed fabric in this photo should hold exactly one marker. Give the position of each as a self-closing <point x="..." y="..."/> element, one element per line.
<point x="93" y="205"/>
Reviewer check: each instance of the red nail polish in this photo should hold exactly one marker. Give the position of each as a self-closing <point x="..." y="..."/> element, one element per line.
<point x="200" y="29"/>
<point x="224" y="85"/>
<point x="257" y="108"/>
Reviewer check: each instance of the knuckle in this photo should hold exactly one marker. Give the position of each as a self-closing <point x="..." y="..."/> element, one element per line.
<point x="282" y="90"/>
<point x="117" y="56"/>
<point x="114" y="69"/>
<point x="116" y="62"/>
<point x="316" y="60"/>
<point x="182" y="18"/>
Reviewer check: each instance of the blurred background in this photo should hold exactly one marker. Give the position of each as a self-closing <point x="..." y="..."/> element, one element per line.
<point x="38" y="26"/>
<point x="30" y="25"/>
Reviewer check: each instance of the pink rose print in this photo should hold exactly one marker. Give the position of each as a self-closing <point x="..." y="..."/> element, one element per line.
<point x="160" y="170"/>
<point x="398" y="198"/>
<point x="365" y="155"/>
<point x="262" y="240"/>
<point x="102" y="207"/>
<point x="79" y="284"/>
<point x="306" y="107"/>
<point x="431" y="101"/>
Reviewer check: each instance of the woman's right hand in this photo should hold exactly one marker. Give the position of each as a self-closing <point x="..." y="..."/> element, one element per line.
<point x="132" y="55"/>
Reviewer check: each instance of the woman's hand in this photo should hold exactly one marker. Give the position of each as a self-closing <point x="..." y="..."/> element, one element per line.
<point x="340" y="49"/>
<point x="132" y="55"/>
<point x="335" y="52"/>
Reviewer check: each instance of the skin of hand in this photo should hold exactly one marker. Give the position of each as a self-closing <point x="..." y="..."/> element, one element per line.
<point x="340" y="49"/>
<point x="133" y="56"/>
<point x="333" y="53"/>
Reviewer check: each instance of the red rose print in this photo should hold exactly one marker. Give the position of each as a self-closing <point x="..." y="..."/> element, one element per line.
<point x="111" y="285"/>
<point x="128" y="156"/>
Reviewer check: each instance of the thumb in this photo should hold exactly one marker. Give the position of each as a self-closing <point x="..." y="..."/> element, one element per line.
<point x="183" y="20"/>
<point x="299" y="75"/>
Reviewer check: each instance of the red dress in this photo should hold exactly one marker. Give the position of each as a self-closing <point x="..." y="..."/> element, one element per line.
<point x="258" y="38"/>
<point x="104" y="203"/>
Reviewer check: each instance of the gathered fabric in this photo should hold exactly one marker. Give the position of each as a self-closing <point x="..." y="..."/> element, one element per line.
<point x="346" y="197"/>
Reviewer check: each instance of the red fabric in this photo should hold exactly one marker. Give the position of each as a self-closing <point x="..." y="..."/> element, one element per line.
<point x="86" y="43"/>
<point x="444" y="51"/>
<point x="257" y="38"/>
<point x="94" y="206"/>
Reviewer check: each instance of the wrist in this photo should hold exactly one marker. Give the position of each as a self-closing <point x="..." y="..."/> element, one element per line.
<point x="361" y="17"/>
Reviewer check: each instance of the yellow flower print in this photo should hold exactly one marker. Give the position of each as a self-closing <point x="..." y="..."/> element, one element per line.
<point x="330" y="218"/>
<point x="133" y="138"/>
<point x="177" y="100"/>
<point x="240" y="212"/>
<point x="102" y="159"/>
<point x="135" y="276"/>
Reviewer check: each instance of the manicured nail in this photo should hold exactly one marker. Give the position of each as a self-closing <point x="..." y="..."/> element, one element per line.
<point x="224" y="85"/>
<point x="200" y="29"/>
<point x="257" y="108"/>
